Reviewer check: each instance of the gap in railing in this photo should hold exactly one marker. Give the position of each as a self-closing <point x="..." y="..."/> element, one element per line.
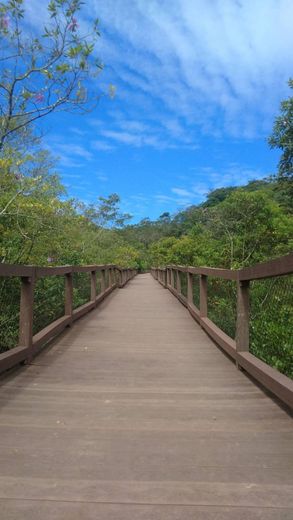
<point x="271" y="322"/>
<point x="183" y="283"/>
<point x="222" y="304"/>
<point x="99" y="282"/>
<point x="81" y="289"/>
<point x="175" y="281"/>
<point x="49" y="301"/>
<point x="9" y="312"/>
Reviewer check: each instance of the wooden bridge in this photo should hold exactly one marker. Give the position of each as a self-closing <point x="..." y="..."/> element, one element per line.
<point x="134" y="412"/>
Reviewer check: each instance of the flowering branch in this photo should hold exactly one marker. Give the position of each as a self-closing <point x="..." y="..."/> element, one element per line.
<point x="42" y="74"/>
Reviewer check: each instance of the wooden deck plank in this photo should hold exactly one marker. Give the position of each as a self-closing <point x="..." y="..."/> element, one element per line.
<point x="135" y="412"/>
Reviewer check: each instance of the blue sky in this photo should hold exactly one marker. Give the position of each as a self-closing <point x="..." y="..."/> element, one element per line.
<point x="198" y="82"/>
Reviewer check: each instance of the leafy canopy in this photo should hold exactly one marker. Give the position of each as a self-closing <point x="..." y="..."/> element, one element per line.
<point x="282" y="136"/>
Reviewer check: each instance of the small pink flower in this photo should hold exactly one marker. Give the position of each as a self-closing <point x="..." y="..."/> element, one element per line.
<point x="4" y="22"/>
<point x="39" y="97"/>
<point x="73" y="25"/>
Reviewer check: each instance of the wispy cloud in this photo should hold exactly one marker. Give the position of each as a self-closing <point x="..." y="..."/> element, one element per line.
<point x="214" y="67"/>
<point x="181" y="192"/>
<point x="211" y="63"/>
<point x="102" y="177"/>
<point x="203" y="180"/>
<point x="69" y="150"/>
<point x="102" y="146"/>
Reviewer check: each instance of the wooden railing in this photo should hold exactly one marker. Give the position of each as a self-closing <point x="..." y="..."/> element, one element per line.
<point x="29" y="344"/>
<point x="237" y="348"/>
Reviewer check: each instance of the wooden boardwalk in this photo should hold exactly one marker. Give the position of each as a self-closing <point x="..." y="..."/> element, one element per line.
<point x="135" y="414"/>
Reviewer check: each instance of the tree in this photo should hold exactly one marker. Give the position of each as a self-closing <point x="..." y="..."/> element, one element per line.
<point x="246" y="228"/>
<point x="106" y="212"/>
<point x="45" y="72"/>
<point x="282" y="137"/>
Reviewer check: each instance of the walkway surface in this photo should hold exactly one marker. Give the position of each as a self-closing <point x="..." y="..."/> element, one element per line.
<point x="135" y="414"/>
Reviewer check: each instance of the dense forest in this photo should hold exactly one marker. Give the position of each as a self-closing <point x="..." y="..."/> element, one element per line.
<point x="232" y="228"/>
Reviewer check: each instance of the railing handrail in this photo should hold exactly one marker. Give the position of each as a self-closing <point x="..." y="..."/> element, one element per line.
<point x="40" y="271"/>
<point x="277" y="267"/>
<point x="238" y="348"/>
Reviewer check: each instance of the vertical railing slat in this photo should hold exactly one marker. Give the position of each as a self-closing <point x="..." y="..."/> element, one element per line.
<point x="242" y="325"/>
<point x="26" y="313"/>
<point x="69" y="295"/>
<point x="93" y="286"/>
<point x="178" y="282"/>
<point x="203" y="295"/>
<point x="189" y="288"/>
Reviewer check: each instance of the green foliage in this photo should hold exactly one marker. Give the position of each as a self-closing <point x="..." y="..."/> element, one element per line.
<point x="49" y="299"/>
<point x="248" y="226"/>
<point x="127" y="256"/>
<point x="271" y="322"/>
<point x="217" y="196"/>
<point x="282" y="136"/>
<point x="222" y="301"/>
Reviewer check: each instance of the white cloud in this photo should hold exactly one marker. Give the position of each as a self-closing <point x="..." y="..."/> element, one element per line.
<point x="69" y="150"/>
<point x="102" y="146"/>
<point x="102" y="177"/>
<point x="137" y="139"/>
<point x="72" y="176"/>
<point x="181" y="192"/>
<point x="164" y="198"/>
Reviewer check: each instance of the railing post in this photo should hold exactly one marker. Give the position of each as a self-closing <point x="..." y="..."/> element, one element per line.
<point x="26" y="313"/>
<point x="189" y="288"/>
<point x="165" y="278"/>
<point x="172" y="277"/>
<point x="242" y="326"/>
<point x="178" y="282"/>
<point x="93" y="286"/>
<point x="203" y="294"/>
<point x="103" y="281"/>
<point x="122" y="277"/>
<point x="69" y="296"/>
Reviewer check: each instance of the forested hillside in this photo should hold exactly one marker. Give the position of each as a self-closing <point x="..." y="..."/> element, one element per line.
<point x="233" y="228"/>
